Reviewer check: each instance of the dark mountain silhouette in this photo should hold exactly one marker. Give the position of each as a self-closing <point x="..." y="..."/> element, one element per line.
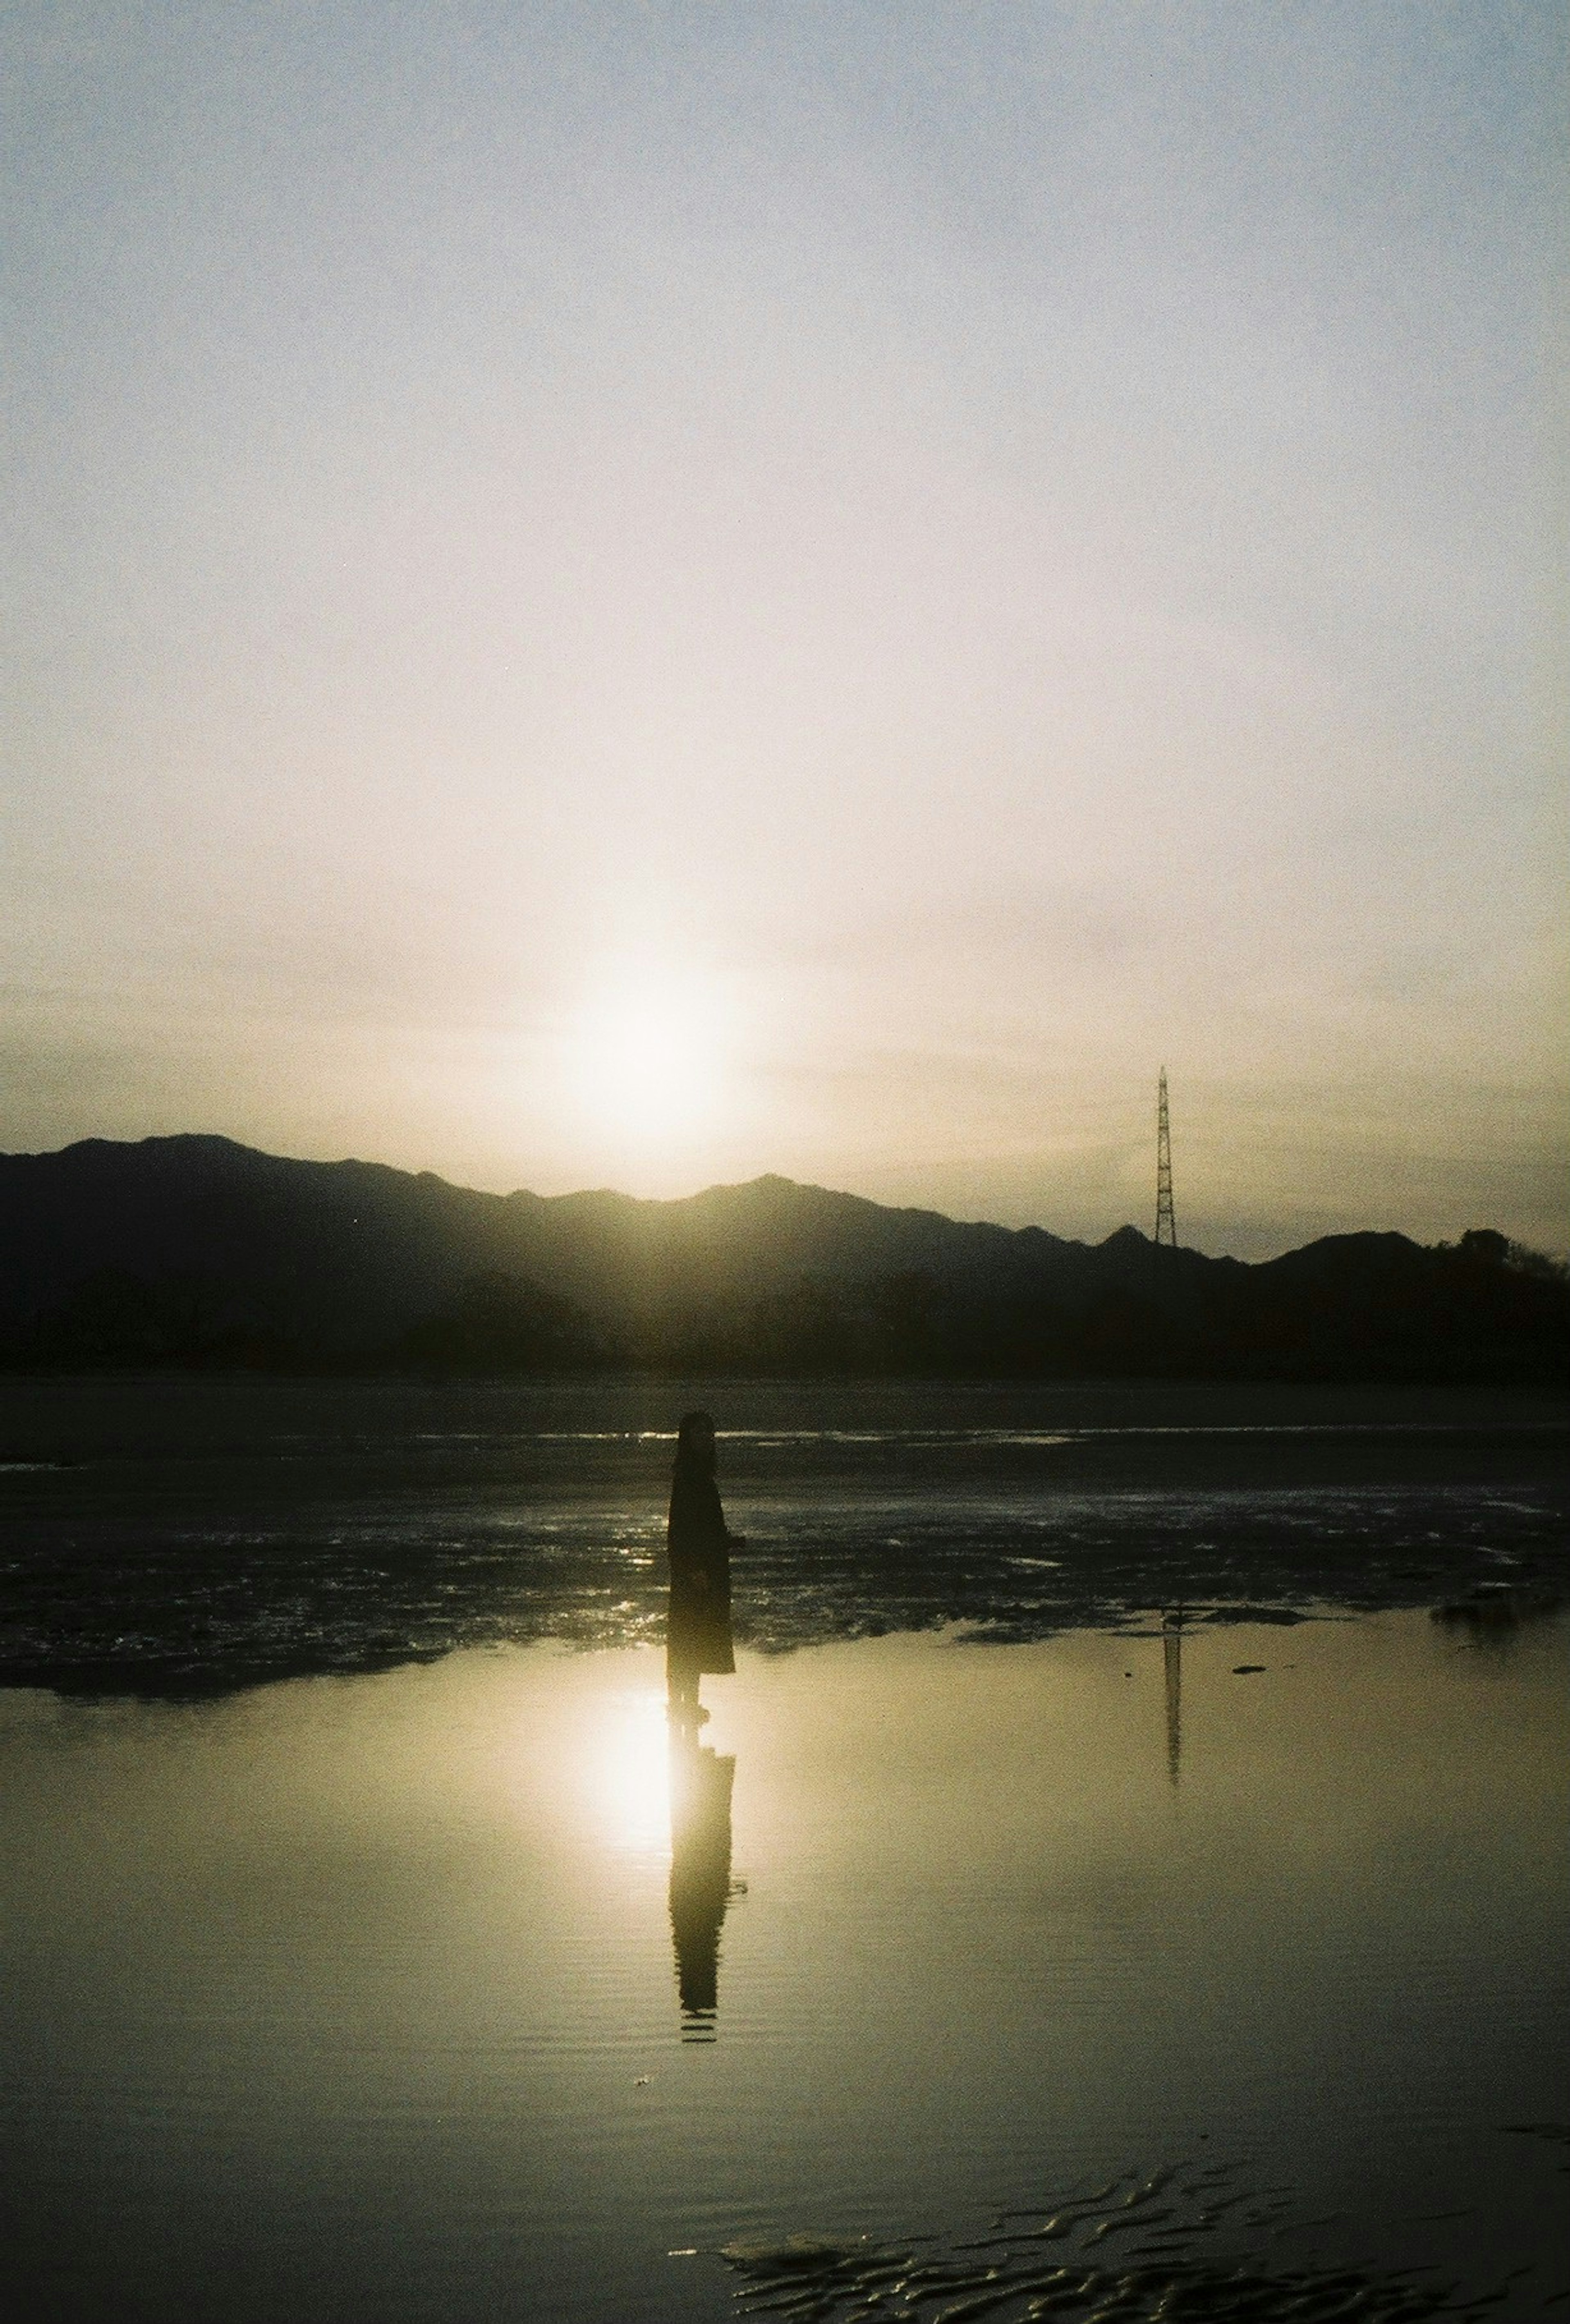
<point x="198" y="1251"/>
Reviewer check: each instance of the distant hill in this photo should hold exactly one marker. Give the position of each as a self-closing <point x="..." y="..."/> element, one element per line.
<point x="198" y="1251"/>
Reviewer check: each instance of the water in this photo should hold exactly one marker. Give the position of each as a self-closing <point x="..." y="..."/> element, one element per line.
<point x="358" y="1995"/>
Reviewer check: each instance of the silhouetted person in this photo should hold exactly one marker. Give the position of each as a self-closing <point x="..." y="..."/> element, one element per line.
<point x="700" y="1874"/>
<point x="698" y="1633"/>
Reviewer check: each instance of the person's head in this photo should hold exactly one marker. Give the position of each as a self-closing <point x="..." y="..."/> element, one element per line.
<point x="695" y="1440"/>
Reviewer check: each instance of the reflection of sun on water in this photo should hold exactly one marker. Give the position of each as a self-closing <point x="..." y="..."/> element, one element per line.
<point x="634" y="1773"/>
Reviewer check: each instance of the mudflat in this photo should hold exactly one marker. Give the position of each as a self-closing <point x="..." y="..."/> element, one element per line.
<point x="186" y="1534"/>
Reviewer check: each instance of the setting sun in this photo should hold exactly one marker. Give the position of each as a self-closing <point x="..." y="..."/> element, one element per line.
<point x="648" y="1057"/>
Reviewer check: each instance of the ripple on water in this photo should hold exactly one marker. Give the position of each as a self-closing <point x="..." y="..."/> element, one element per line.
<point x="1186" y="2243"/>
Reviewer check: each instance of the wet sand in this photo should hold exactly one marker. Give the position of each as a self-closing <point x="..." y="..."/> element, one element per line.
<point x="169" y="1535"/>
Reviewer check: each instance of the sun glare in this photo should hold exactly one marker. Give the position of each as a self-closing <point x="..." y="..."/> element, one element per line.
<point x="648" y="1059"/>
<point x="634" y="1773"/>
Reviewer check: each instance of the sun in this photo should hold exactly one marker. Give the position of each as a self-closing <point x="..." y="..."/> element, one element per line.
<point x="647" y="1056"/>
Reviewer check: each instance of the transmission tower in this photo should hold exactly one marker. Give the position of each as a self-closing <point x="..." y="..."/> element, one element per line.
<point x="1166" y="1223"/>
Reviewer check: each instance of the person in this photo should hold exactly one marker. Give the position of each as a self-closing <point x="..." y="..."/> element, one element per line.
<point x="700" y="1544"/>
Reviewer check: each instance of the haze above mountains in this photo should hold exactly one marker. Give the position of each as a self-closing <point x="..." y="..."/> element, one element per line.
<point x="198" y="1251"/>
<point x="637" y="595"/>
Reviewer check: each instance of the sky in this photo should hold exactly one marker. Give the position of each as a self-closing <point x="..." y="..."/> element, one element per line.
<point x="641" y="593"/>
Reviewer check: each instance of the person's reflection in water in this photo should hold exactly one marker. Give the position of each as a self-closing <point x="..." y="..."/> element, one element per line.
<point x="697" y="1638"/>
<point x="701" y="1876"/>
<point x="698" y="1642"/>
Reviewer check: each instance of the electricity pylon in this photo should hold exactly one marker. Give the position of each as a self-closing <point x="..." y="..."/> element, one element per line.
<point x="1166" y="1223"/>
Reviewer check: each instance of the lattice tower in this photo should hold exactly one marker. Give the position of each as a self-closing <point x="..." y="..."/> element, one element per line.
<point x="1165" y="1220"/>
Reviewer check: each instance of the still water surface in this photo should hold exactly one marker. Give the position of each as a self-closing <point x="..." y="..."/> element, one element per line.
<point x="357" y="1996"/>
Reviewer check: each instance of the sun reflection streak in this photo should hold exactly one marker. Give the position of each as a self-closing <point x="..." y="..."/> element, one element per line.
<point x="633" y="1783"/>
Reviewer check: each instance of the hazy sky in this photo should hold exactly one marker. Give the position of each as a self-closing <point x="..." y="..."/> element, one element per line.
<point x="636" y="593"/>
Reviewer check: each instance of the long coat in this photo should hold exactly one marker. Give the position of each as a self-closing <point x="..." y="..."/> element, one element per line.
<point x="698" y="1638"/>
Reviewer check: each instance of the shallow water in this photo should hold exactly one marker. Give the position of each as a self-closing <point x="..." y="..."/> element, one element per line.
<point x="357" y="1996"/>
<point x="1227" y="1950"/>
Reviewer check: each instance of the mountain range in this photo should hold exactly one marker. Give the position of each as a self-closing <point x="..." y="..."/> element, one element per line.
<point x="198" y="1251"/>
